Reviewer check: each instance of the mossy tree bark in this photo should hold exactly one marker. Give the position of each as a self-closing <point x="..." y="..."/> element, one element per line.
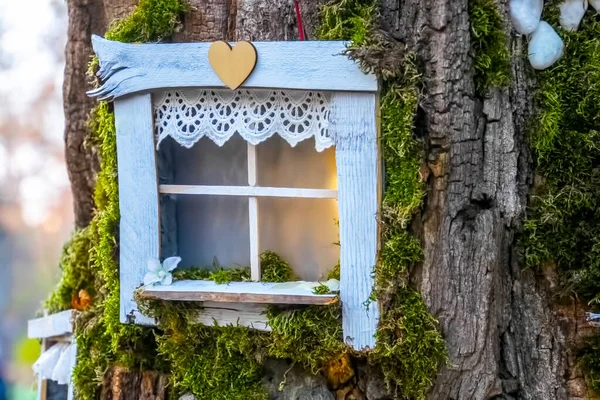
<point x="505" y="337"/>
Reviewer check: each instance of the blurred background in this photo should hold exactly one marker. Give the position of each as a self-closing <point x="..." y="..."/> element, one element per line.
<point x="35" y="203"/>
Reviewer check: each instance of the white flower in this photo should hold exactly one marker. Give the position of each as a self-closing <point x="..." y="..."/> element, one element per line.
<point x="333" y="285"/>
<point x="158" y="273"/>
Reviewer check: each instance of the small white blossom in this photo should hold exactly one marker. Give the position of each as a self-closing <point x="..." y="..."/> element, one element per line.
<point x="333" y="285"/>
<point x="161" y="273"/>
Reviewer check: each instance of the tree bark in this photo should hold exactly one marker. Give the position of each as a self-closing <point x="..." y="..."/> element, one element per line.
<point x="506" y="335"/>
<point x="86" y="17"/>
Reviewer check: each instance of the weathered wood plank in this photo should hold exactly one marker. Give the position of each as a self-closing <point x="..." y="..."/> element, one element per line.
<point x="256" y="191"/>
<point x="240" y="292"/>
<point x="357" y="167"/>
<point x="319" y="65"/>
<point x="53" y="325"/>
<point x="138" y="197"/>
<point x="248" y="315"/>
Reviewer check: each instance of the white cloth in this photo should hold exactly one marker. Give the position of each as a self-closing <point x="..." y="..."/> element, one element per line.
<point x="56" y="363"/>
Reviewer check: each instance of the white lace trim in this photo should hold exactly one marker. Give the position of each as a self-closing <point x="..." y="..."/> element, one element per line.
<point x="256" y="115"/>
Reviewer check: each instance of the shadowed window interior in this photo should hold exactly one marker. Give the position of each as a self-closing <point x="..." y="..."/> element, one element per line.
<point x="214" y="229"/>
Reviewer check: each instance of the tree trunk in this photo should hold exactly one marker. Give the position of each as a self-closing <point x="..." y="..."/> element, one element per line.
<point x="506" y="337"/>
<point x="503" y="336"/>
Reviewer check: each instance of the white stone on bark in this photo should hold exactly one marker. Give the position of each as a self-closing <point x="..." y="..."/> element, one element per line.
<point x="526" y="15"/>
<point x="571" y="13"/>
<point x="545" y="46"/>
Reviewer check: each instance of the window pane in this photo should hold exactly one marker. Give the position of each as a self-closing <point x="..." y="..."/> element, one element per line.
<point x="281" y="165"/>
<point x="54" y="391"/>
<point x="204" y="164"/>
<point x="303" y="232"/>
<point x="200" y="228"/>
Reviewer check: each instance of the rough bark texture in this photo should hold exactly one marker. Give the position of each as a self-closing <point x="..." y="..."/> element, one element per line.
<point x="122" y="384"/>
<point x="86" y="17"/>
<point x="507" y="337"/>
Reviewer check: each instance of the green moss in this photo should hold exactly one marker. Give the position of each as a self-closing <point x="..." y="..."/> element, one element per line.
<point x="76" y="272"/>
<point x="193" y="273"/>
<point x="223" y="276"/>
<point x="275" y="269"/>
<point x="562" y="227"/>
<point x="489" y="45"/>
<point x="348" y="20"/>
<point x="102" y="340"/>
<point x="310" y="336"/>
<point x="152" y="20"/>
<point x="321" y="289"/>
<point x="335" y="272"/>
<point x="409" y="347"/>
<point x="227" y="362"/>
<point x="220" y="363"/>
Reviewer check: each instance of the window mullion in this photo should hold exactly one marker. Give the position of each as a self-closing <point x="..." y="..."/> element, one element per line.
<point x="253" y="216"/>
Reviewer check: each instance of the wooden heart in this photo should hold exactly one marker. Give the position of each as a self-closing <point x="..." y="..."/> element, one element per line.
<point x="232" y="65"/>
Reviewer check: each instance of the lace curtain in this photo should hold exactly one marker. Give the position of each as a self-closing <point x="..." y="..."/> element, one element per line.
<point x="256" y="115"/>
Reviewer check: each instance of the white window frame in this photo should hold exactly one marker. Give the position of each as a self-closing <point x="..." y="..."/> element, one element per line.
<point x="130" y="73"/>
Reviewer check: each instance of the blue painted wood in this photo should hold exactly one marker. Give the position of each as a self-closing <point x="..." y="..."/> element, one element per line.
<point x="319" y="65"/>
<point x="138" y="197"/>
<point x="354" y="116"/>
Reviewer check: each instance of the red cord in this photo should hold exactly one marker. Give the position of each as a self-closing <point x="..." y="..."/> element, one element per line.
<point x="299" y="17"/>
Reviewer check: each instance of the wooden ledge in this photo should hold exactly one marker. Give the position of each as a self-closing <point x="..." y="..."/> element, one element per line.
<point x="54" y="325"/>
<point x="240" y="292"/>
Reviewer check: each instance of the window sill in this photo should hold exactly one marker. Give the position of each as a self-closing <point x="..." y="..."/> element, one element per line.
<point x="239" y="292"/>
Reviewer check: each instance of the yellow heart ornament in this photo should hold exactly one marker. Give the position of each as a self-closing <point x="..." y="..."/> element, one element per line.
<point x="233" y="65"/>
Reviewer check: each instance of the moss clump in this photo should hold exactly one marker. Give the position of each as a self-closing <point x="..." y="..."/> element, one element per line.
<point x="347" y="20"/>
<point x="227" y="362"/>
<point x="311" y="336"/>
<point x="489" y="45"/>
<point x="561" y="226"/>
<point x="76" y="272"/>
<point x="409" y="347"/>
<point x="152" y="20"/>
<point x="221" y="363"/>
<point x="224" y="276"/>
<point x="321" y="289"/>
<point x="335" y="272"/>
<point x="274" y="269"/>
